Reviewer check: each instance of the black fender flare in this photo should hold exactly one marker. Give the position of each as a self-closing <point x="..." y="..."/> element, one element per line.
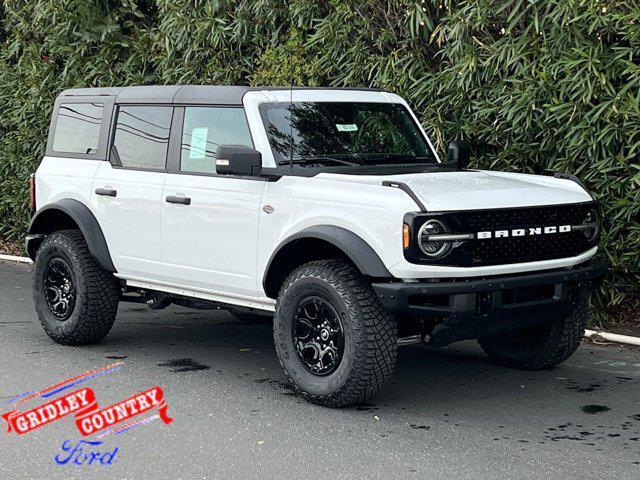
<point x="573" y="178"/>
<point x="83" y="218"/>
<point x="354" y="247"/>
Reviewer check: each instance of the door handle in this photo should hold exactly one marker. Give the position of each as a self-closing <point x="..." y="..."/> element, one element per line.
<point x="107" y="192"/>
<point x="180" y="200"/>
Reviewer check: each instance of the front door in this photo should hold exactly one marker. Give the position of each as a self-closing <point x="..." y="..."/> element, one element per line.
<point x="210" y="221"/>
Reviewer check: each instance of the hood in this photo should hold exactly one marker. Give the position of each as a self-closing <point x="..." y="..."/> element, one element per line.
<point x="479" y="189"/>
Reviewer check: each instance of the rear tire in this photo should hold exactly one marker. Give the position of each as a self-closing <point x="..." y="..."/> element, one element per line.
<point x="76" y="300"/>
<point x="542" y="348"/>
<point x="336" y="343"/>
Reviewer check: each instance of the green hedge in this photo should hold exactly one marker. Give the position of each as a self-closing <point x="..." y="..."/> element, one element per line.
<point x="536" y="86"/>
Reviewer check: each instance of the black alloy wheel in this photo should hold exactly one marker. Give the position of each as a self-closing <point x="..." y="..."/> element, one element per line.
<point x="76" y="300"/>
<point x="334" y="339"/>
<point x="318" y="336"/>
<point x="59" y="288"/>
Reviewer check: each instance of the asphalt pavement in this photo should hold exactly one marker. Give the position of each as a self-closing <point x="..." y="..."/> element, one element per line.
<point x="446" y="413"/>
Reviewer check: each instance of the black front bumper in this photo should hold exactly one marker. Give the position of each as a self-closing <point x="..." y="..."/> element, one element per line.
<point x="491" y="306"/>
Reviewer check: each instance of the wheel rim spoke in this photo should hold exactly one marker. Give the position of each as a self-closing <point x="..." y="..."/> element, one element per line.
<point x="318" y="336"/>
<point x="59" y="288"/>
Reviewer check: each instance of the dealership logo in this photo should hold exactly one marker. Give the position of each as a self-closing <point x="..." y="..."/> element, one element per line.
<point x="85" y="452"/>
<point x="89" y="419"/>
<point x="68" y="399"/>
<point x="523" y="232"/>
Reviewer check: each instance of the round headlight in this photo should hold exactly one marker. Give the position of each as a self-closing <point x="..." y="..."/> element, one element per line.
<point x="590" y="226"/>
<point x="433" y="248"/>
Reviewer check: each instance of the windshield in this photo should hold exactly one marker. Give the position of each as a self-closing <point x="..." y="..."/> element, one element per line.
<point x="339" y="133"/>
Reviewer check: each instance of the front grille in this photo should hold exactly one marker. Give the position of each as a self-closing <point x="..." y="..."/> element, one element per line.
<point x="525" y="249"/>
<point x="495" y="251"/>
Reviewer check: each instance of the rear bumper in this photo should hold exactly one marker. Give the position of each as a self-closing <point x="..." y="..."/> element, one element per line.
<point x="492" y="306"/>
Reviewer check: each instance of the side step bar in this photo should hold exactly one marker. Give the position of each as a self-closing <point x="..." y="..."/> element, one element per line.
<point x="410" y="340"/>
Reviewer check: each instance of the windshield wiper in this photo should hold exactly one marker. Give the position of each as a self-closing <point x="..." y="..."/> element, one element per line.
<point x="396" y="157"/>
<point x="321" y="158"/>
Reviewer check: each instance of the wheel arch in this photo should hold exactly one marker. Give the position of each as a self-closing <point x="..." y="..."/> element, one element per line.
<point x="69" y="214"/>
<point x="315" y="243"/>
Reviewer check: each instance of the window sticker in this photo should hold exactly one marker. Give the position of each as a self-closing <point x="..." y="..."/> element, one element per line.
<point x="347" y="127"/>
<point x="198" y="148"/>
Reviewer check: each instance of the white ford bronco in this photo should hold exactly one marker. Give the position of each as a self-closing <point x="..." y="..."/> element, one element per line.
<point x="325" y="211"/>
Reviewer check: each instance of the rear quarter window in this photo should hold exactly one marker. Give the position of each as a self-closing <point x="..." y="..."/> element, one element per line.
<point x="77" y="128"/>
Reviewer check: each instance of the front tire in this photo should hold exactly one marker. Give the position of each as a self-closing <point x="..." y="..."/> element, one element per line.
<point x="541" y="348"/>
<point x="336" y="343"/>
<point x="75" y="299"/>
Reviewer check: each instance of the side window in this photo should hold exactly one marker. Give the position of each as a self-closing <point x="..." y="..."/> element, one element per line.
<point x="204" y="129"/>
<point x="142" y="136"/>
<point x="77" y="128"/>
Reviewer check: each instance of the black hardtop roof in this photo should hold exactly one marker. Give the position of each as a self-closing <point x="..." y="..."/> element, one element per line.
<point x="191" y="94"/>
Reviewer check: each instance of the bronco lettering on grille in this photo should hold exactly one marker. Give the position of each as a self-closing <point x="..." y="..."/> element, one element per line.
<point x="521" y="232"/>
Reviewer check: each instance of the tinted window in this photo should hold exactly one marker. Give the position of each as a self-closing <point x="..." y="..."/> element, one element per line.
<point x="142" y="136"/>
<point x="205" y="128"/>
<point x="77" y="128"/>
<point x="360" y="133"/>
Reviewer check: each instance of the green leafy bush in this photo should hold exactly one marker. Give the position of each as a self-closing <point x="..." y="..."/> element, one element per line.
<point x="536" y="86"/>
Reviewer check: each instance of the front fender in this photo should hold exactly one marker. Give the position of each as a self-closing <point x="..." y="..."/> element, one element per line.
<point x="355" y="248"/>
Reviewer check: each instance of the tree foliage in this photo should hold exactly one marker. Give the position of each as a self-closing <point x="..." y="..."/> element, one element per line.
<point x="536" y="86"/>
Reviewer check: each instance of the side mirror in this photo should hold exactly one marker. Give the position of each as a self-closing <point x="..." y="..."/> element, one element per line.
<point x="238" y="160"/>
<point x="459" y="154"/>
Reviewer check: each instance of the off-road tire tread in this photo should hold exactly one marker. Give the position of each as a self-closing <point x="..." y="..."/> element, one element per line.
<point x="562" y="341"/>
<point x="101" y="295"/>
<point x="376" y="338"/>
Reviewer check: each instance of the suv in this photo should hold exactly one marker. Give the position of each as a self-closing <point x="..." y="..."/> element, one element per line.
<point x="325" y="209"/>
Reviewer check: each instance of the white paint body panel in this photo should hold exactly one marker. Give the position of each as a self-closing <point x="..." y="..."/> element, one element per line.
<point x="370" y="211"/>
<point x="375" y="213"/>
<point x="212" y="243"/>
<point x="59" y="178"/>
<point x="478" y="190"/>
<point x="130" y="221"/>
<point x="218" y="248"/>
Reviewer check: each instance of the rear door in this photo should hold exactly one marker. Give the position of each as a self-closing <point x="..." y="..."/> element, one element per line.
<point x="210" y="221"/>
<point x="127" y="190"/>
